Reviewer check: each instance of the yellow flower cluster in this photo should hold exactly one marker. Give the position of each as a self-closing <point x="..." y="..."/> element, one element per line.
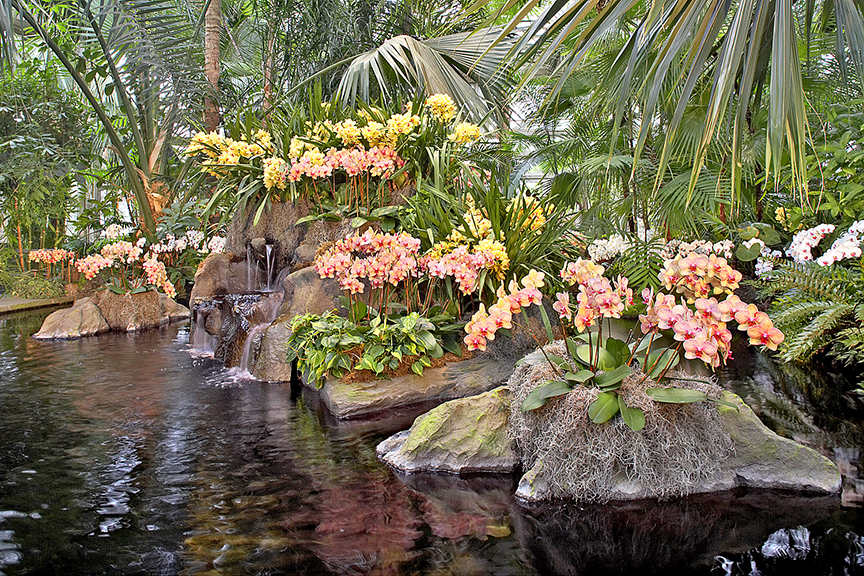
<point x="376" y="134"/>
<point x="221" y="151"/>
<point x="348" y="132"/>
<point x="274" y="173"/>
<point x="401" y="124"/>
<point x="536" y="216"/>
<point x="442" y="107"/>
<point x="478" y="239"/>
<point x="465" y="133"/>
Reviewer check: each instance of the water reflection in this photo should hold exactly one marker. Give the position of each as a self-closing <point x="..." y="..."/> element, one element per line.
<point x="126" y="454"/>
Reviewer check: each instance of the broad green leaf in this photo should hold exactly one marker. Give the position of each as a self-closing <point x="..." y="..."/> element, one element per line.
<point x="537" y="397"/>
<point x="618" y="349"/>
<point x="633" y="417"/>
<point x="745" y="254"/>
<point x="603" y="408"/>
<point x="612" y="377"/>
<point x="579" y="377"/>
<point x="427" y="339"/>
<point x="675" y="395"/>
<point x="660" y="360"/>
<point x="603" y="361"/>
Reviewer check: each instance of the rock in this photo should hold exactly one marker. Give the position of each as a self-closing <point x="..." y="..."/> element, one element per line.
<point x="761" y="459"/>
<point x="130" y="312"/>
<point x="320" y="232"/>
<point x="276" y="226"/>
<point x="83" y="319"/>
<point x="219" y="274"/>
<point x="464" y="435"/>
<point x="270" y="364"/>
<point x="307" y="293"/>
<point x="171" y="310"/>
<point x="765" y="460"/>
<point x="454" y="380"/>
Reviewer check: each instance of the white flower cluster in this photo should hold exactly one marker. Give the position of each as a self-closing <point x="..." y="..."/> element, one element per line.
<point x="113" y="232"/>
<point x="217" y="244"/>
<point x="191" y="239"/>
<point x="848" y="245"/>
<point x="802" y="244"/>
<point x="676" y="247"/>
<point x="602" y="250"/>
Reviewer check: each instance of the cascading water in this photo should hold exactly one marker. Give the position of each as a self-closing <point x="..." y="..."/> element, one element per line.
<point x="269" y="255"/>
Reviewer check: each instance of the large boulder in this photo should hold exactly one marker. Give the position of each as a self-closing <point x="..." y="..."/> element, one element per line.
<point x="464" y="435"/>
<point x="172" y="311"/>
<point x="470" y="377"/>
<point x="761" y="459"/>
<point x="130" y="312"/>
<point x="83" y="319"/>
<point x="219" y="274"/>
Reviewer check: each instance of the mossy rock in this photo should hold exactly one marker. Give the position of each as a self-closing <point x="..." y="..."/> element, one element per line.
<point x="464" y="435"/>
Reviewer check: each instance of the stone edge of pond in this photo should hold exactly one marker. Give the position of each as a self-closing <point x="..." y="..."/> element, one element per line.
<point x="8" y="305"/>
<point x="469" y="435"/>
<point x="468" y="378"/>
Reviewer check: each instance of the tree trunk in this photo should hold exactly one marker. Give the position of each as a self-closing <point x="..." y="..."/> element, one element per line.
<point x="212" y="27"/>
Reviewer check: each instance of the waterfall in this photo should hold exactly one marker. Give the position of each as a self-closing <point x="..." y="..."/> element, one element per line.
<point x="250" y="261"/>
<point x="269" y="262"/>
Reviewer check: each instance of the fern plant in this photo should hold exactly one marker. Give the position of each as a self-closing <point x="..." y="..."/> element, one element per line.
<point x="818" y="308"/>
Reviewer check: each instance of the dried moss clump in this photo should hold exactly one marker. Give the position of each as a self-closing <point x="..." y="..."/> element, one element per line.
<point x="680" y="446"/>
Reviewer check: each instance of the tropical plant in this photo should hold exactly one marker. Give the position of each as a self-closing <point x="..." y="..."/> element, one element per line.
<point x="462" y="207"/>
<point x="137" y="63"/>
<point x="820" y="306"/>
<point x="334" y="345"/>
<point x="344" y="162"/>
<point x="748" y="52"/>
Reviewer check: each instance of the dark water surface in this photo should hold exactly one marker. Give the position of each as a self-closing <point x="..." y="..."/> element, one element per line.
<point x="125" y="454"/>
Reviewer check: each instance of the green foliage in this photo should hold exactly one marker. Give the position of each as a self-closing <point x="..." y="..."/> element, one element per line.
<point x="26" y="285"/>
<point x="818" y="308"/>
<point x="334" y="345"/>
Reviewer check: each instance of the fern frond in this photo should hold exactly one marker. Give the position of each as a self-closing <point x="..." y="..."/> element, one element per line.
<point x="808" y="280"/>
<point x="813" y="337"/>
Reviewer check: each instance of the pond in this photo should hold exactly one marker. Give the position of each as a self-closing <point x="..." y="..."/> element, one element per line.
<point x="129" y="454"/>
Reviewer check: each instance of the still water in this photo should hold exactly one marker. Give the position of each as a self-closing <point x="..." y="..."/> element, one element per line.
<point x="127" y="454"/>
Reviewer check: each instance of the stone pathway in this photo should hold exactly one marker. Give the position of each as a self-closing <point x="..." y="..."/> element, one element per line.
<point x="11" y="304"/>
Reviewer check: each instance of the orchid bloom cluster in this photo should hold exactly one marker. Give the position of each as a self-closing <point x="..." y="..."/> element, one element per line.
<point x="605" y="249"/>
<point x="113" y="232"/>
<point x="597" y="297"/>
<point x="50" y="256"/>
<point x="91" y="265"/>
<point x="483" y="325"/>
<point x="464" y="263"/>
<point x="800" y="250"/>
<point x="122" y="251"/>
<point x="703" y="331"/>
<point x="696" y="276"/>
<point x="465" y="133"/>
<point x="157" y="275"/>
<point x="193" y="239"/>
<point x="442" y="107"/>
<point x="676" y="247"/>
<point x="848" y="245"/>
<point x="312" y="163"/>
<point x="220" y="152"/>
<point x="378" y="258"/>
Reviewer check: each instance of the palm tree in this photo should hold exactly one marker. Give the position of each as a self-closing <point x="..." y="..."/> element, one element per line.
<point x="741" y="55"/>
<point x="142" y="63"/>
